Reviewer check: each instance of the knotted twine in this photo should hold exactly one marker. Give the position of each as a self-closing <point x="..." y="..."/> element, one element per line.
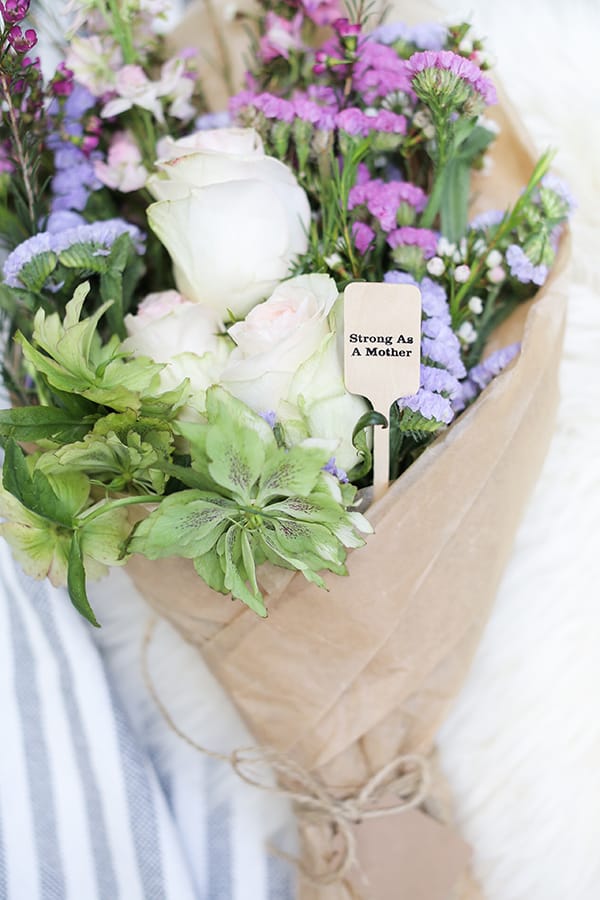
<point x="407" y="778"/>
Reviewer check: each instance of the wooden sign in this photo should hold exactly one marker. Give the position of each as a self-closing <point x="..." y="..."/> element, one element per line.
<point x="382" y="355"/>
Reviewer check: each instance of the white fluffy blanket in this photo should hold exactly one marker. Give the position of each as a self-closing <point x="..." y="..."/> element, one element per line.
<point x="522" y="746"/>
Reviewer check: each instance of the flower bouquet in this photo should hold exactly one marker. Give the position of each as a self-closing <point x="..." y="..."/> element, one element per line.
<point x="173" y="308"/>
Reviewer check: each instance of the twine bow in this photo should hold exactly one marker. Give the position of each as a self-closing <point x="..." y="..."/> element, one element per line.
<point x="403" y="784"/>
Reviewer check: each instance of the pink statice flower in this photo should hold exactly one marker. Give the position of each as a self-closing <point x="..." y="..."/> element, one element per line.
<point x="384" y="199"/>
<point x="423" y="238"/>
<point x="280" y="36"/>
<point x="123" y="170"/>
<point x="463" y="68"/>
<point x="379" y="72"/>
<point x="363" y="236"/>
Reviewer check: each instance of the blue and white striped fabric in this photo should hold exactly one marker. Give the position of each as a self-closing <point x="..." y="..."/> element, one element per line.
<point x="84" y="812"/>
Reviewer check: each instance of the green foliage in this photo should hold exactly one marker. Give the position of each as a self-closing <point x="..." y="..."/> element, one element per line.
<point x="261" y="502"/>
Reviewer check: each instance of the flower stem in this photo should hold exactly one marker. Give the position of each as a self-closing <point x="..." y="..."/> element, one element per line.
<point x="20" y="154"/>
<point x="99" y="510"/>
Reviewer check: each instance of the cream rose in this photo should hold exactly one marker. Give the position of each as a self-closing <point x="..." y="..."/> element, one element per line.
<point x="183" y="335"/>
<point x="287" y="361"/>
<point x="232" y="219"/>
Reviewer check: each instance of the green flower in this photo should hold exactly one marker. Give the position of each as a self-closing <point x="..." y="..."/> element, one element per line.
<point x="251" y="501"/>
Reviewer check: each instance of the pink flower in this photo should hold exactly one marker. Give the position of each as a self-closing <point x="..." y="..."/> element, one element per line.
<point x="123" y="170"/>
<point x="363" y="236"/>
<point x="280" y="36"/>
<point x="459" y="66"/>
<point x="323" y="12"/>
<point x="415" y="237"/>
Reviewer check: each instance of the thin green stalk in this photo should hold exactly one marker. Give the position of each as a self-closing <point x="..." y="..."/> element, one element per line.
<point x="96" y="511"/>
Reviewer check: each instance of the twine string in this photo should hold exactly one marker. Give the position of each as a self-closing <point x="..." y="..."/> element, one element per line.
<point x="403" y="784"/>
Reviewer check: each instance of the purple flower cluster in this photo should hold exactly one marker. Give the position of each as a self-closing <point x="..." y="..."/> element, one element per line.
<point x="423" y="238"/>
<point x="74" y="177"/>
<point x="303" y="106"/>
<point x="441" y="366"/>
<point x="458" y="65"/>
<point x="384" y="199"/>
<point x="380" y="72"/>
<point x="334" y="470"/>
<point x="488" y="219"/>
<point x="363" y="236"/>
<point x="426" y="36"/>
<point x="355" y="121"/>
<point x="101" y="235"/>
<point x="523" y="269"/>
<point x="553" y="183"/>
<point x="480" y="375"/>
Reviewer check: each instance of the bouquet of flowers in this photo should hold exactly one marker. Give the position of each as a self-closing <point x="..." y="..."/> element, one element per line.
<point x="172" y="303"/>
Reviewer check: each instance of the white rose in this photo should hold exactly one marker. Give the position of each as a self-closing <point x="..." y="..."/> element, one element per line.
<point x="183" y="335"/>
<point x="232" y="220"/>
<point x="288" y="361"/>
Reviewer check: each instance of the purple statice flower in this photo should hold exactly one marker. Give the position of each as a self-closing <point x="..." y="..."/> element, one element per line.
<point x="414" y="237"/>
<point x="74" y="178"/>
<point x="480" y="375"/>
<point x="488" y="219"/>
<point x="308" y="110"/>
<point x="363" y="236"/>
<point x="379" y="71"/>
<point x="103" y="233"/>
<point x="61" y="220"/>
<point x="241" y="101"/>
<point x="353" y="121"/>
<point x="522" y="268"/>
<point x="270" y="417"/>
<point x="212" y="120"/>
<point x="274" y="107"/>
<point x="426" y="36"/>
<point x="334" y="470"/>
<point x="383" y="199"/>
<point x="430" y="405"/>
<point x="458" y="65"/>
<point x="388" y="122"/>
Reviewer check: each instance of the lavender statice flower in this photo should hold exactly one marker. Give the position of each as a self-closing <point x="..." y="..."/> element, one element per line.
<point x="74" y="177"/>
<point x="522" y="268"/>
<point x="462" y="68"/>
<point x="379" y="72"/>
<point x="270" y="417"/>
<point x="430" y="405"/>
<point x="426" y="36"/>
<point x="212" y="120"/>
<point x="488" y="219"/>
<point x="480" y="375"/>
<point x="334" y="470"/>
<point x="101" y="235"/>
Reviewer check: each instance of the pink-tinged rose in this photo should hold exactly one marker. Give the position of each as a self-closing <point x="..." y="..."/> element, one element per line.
<point x="235" y="141"/>
<point x="233" y="221"/>
<point x="182" y="335"/>
<point x="287" y="360"/>
<point x="123" y="169"/>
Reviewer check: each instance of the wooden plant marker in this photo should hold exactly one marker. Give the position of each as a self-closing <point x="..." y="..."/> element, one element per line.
<point x="382" y="355"/>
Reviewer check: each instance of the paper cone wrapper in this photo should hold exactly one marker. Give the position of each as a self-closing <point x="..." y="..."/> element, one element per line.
<point x="344" y="680"/>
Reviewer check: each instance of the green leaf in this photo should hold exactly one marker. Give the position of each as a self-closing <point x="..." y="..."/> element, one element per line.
<point x="76" y="582"/>
<point x="209" y="568"/>
<point x="33" y="423"/>
<point x="360" y="442"/>
<point x="34" y="274"/>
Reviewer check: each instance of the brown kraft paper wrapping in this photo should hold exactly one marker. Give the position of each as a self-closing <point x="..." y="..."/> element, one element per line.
<point x="344" y="681"/>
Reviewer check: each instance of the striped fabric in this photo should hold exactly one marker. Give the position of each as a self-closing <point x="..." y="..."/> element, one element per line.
<point x="85" y="814"/>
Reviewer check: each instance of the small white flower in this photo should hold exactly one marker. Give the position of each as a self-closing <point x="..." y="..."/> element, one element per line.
<point x="493" y="259"/>
<point x="467" y="333"/>
<point x="333" y="260"/>
<point x="462" y="274"/>
<point x="436" y="266"/>
<point x="496" y="275"/>
<point x="466" y="45"/>
<point x="479" y="246"/>
<point x="476" y="305"/>
<point x="445" y="248"/>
